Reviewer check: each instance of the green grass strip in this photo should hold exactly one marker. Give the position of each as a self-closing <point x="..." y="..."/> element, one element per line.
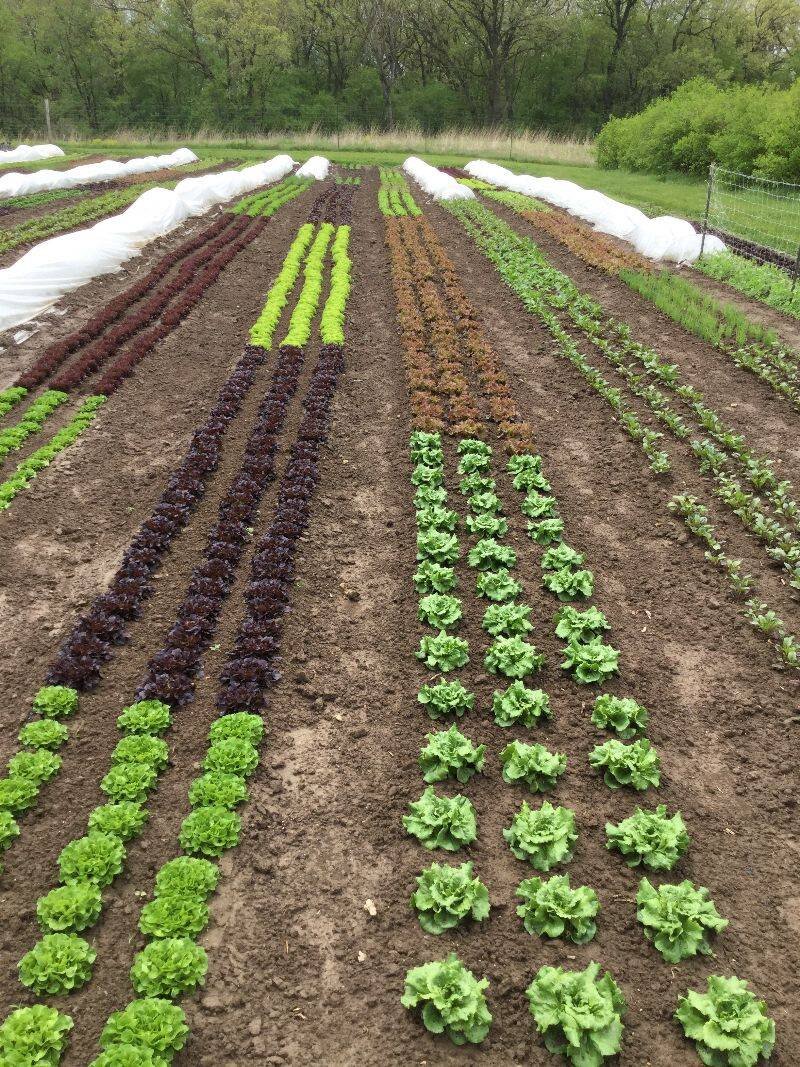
<point x="28" y="469"/>
<point x="32" y="421"/>
<point x="761" y="281"/>
<point x="331" y="326"/>
<point x="9" y="398"/>
<point x="263" y="330"/>
<point x="308" y="300"/>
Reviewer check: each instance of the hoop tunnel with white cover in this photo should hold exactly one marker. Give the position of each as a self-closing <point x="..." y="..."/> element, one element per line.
<point x="663" y="239"/>
<point x="55" y="267"/>
<point x="17" y="184"/>
<point x="26" y="153"/>
<point x="435" y="182"/>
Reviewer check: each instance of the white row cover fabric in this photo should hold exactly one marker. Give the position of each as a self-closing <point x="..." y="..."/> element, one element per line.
<point x="434" y="182"/>
<point x="16" y="184"/>
<point x="664" y="239"/>
<point x="316" y="167"/>
<point x="37" y="280"/>
<point x="27" y="153"/>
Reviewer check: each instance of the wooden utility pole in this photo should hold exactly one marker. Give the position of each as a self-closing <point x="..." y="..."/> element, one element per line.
<point x="47" y="117"/>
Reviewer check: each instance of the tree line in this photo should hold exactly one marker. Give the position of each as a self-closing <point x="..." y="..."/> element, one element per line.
<point x="258" y="65"/>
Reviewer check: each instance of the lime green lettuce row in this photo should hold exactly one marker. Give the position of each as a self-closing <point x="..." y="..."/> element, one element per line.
<point x="32" y="421"/>
<point x="263" y="330"/>
<point x="331" y="325"/>
<point x="308" y="300"/>
<point x="27" y="470"/>
<point x="9" y="398"/>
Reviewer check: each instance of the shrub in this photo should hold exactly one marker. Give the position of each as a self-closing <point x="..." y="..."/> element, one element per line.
<point x="452" y="1000"/>
<point x="446" y="698"/>
<point x="145" y="717"/>
<point x="210" y="831"/>
<point x="513" y="657"/>
<point x="129" y="781"/>
<point x="44" y="733"/>
<point x="434" y="577"/>
<point x="187" y="876"/>
<point x="590" y="661"/>
<point x="55" y="701"/>
<point x="729" y="1027"/>
<point x="651" y="838"/>
<point x="141" y="748"/>
<point x="449" y="754"/>
<point x="507" y="620"/>
<point x="534" y="765"/>
<point x="446" y="896"/>
<point x="553" y="909"/>
<point x="153" y="1023"/>
<point x="579" y="1014"/>
<point x="216" y="787"/>
<point x="498" y="585"/>
<point x="574" y="625"/>
<point x="520" y="705"/>
<point x="678" y="919"/>
<point x="170" y="915"/>
<point x="57" y="964"/>
<point x="38" y="766"/>
<point x="124" y="819"/>
<point x="36" y="1035"/>
<point x="17" y="794"/>
<point x="241" y="724"/>
<point x="439" y="611"/>
<point x="568" y="584"/>
<point x="69" y="908"/>
<point x="621" y="714"/>
<point x="544" y="837"/>
<point x="231" y="756"/>
<point x="443" y="652"/>
<point x="169" y="967"/>
<point x="94" y="858"/>
<point x="441" y="822"/>
<point x="636" y="765"/>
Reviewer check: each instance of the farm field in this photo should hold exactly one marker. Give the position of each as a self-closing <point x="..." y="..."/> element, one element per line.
<point x="347" y="534"/>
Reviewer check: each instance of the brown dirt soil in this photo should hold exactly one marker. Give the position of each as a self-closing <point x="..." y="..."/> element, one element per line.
<point x="300" y="971"/>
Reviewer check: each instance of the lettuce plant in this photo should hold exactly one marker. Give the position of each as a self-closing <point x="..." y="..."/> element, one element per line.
<point x="474" y="461"/>
<point x="449" y="754"/>
<point x="233" y="755"/>
<point x="129" y="781"/>
<point x="651" y="838"/>
<point x="425" y="475"/>
<point x="145" y="717"/>
<point x="478" y="485"/>
<point x="553" y="909"/>
<point x="44" y="733"/>
<point x="443" y="652"/>
<point x="513" y="657"/>
<point x="173" y="916"/>
<point x="484" y="500"/>
<point x="590" y="661"/>
<point x="621" y="714"/>
<point x="473" y="446"/>
<point x="498" y="585"/>
<point x="575" y="625"/>
<point x="446" y="698"/>
<point x="451" y="999"/>
<point x="446" y="896"/>
<point x="34" y="1036"/>
<point x="678" y="919"/>
<point x="141" y="748"/>
<point x="546" y="531"/>
<point x="520" y="705"/>
<point x="525" y="480"/>
<point x="569" y="584"/>
<point x="437" y="545"/>
<point x="69" y="908"/>
<point x="507" y="620"/>
<point x="439" y="610"/>
<point x="544" y="836"/>
<point x="555" y="559"/>
<point x="579" y="1014"/>
<point x="437" y="517"/>
<point x="169" y="967"/>
<point x="428" y="496"/>
<point x="241" y="724"/>
<point x="97" y="858"/>
<point x="151" y="1022"/>
<point x="38" y="766"/>
<point x="488" y="554"/>
<point x="57" y="964"/>
<point x="8" y="829"/>
<point x="210" y="831"/>
<point x="187" y="876"/>
<point x="434" y="577"/>
<point x="17" y="794"/>
<point x="55" y="701"/>
<point x="538" y="506"/>
<point x="441" y="822"/>
<point x="217" y="787"/>
<point x="128" y="1056"/>
<point x="123" y="819"/>
<point x="636" y="765"/>
<point x="729" y="1027"/>
<point x="486" y="524"/>
<point x="523" y="461"/>
<point x="422" y="441"/>
<point x="534" y="765"/>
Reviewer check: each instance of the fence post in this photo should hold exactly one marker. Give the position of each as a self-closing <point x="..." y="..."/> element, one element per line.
<point x="47" y="118"/>
<point x="337" y="125"/>
<point x="708" y="206"/>
<point x="511" y="143"/>
<point x="795" y="272"/>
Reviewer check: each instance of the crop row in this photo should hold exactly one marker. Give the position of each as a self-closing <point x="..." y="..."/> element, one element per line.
<point x="266" y="202"/>
<point x="31" y="422"/>
<point x="394" y="197"/>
